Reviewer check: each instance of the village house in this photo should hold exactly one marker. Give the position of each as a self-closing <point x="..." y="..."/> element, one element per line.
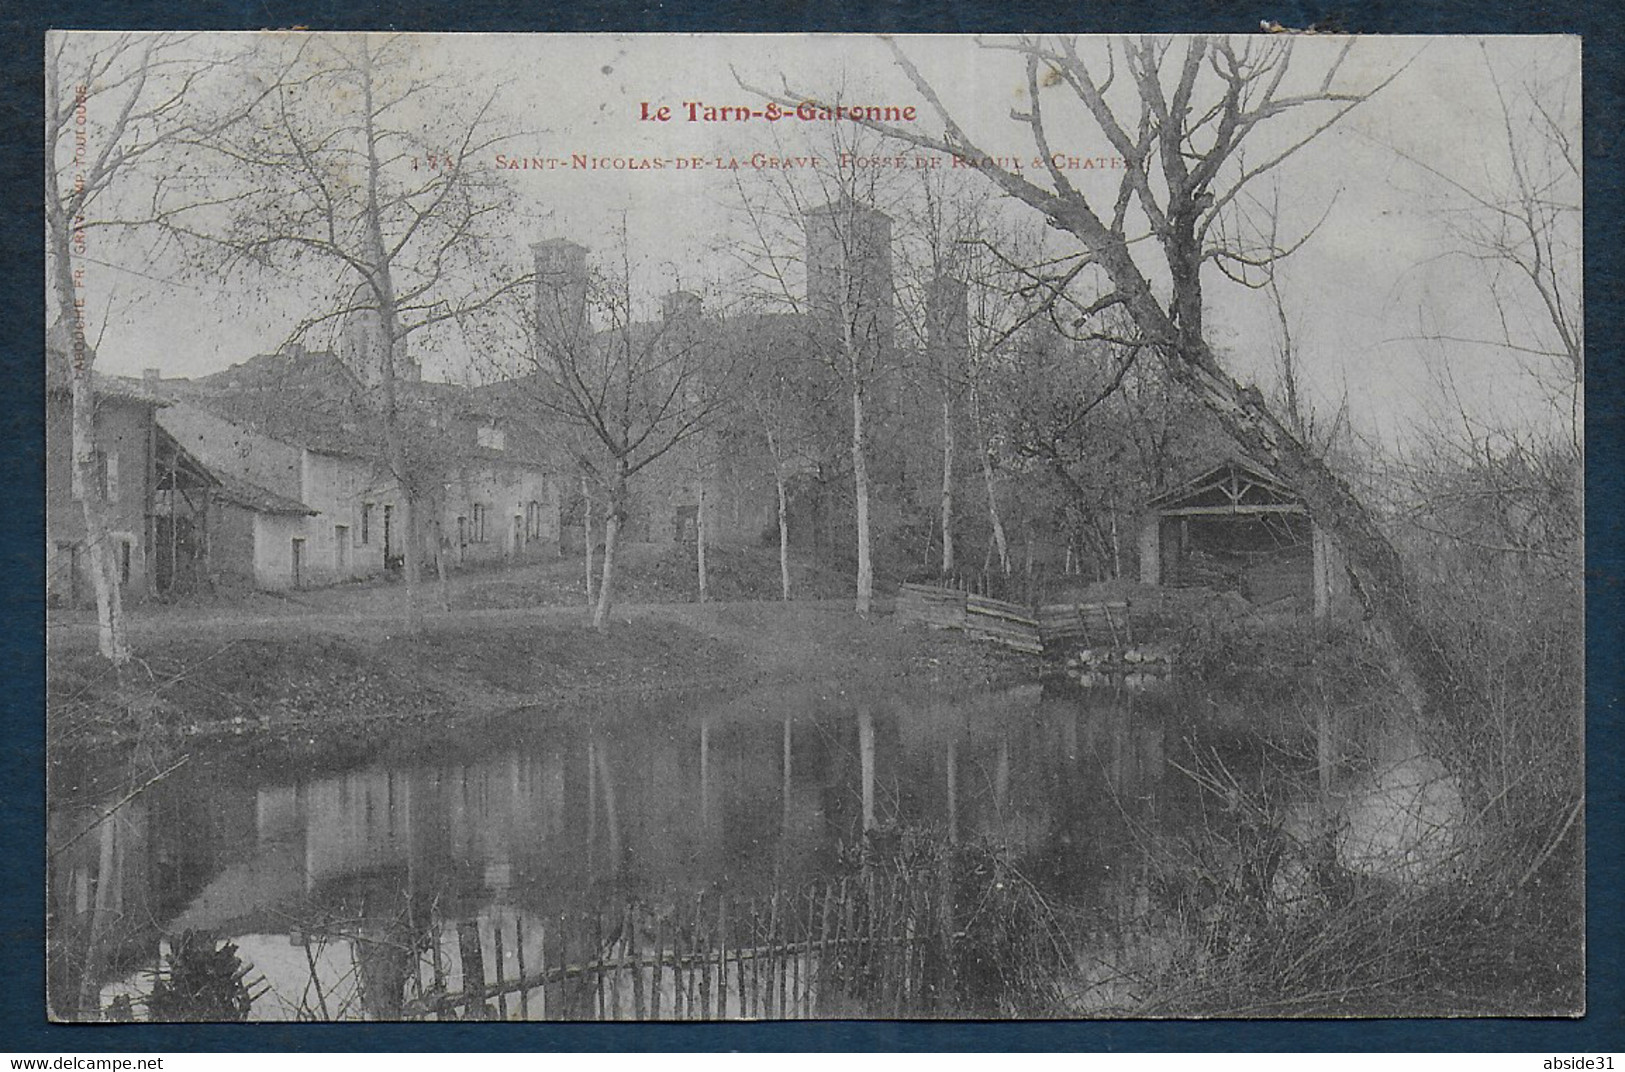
<point x="307" y="497"/>
<point x="292" y="513"/>
<point x="500" y="498"/>
<point x="126" y="449"/>
<point x="157" y="495"/>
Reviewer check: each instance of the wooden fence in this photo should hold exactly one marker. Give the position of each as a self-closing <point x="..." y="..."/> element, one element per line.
<point x="984" y="617"/>
<point x="1003" y="623"/>
<point x="870" y="945"/>
<point x="1053" y="627"/>
<point x="1061" y="629"/>
<point x="1070" y="625"/>
<point x="941" y="608"/>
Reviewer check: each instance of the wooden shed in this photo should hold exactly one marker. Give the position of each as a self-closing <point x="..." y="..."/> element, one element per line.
<point x="1236" y="527"/>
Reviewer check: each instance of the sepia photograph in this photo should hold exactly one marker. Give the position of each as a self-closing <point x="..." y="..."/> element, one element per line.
<point x="614" y="527"/>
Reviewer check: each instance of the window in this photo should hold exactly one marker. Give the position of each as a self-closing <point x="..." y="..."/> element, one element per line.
<point x="124" y="562"/>
<point x="366" y="523"/>
<point x="533" y="520"/>
<point x="491" y="437"/>
<point x="341" y="548"/>
<point x="479" y="523"/>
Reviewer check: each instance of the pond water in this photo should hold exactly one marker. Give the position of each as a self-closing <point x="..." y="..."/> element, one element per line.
<point x="353" y="891"/>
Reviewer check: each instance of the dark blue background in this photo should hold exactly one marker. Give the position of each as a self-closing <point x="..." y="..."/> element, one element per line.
<point x="22" y="943"/>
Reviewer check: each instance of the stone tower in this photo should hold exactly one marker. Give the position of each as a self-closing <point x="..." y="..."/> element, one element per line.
<point x="849" y="272"/>
<point x="561" y="288"/>
<point x="948" y="324"/>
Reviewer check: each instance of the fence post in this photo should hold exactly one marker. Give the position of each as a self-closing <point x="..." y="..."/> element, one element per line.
<point x="722" y="956"/>
<point x="497" y="951"/>
<point x="519" y="957"/>
<point x="703" y="949"/>
<point x="658" y="983"/>
<point x="637" y="961"/>
<point x="745" y="993"/>
<point x="473" y="964"/>
<point x="594" y="965"/>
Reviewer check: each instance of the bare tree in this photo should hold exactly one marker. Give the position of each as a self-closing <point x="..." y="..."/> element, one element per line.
<point x="1181" y="118"/>
<point x="388" y="229"/>
<point x="854" y="338"/>
<point x="112" y="108"/>
<point x="848" y="303"/>
<point x="616" y="392"/>
<point x="1518" y="222"/>
<point x="774" y="400"/>
<point x="944" y="231"/>
<point x="1291" y="399"/>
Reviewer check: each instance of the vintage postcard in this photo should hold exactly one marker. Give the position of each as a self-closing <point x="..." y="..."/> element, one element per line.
<point x="766" y="527"/>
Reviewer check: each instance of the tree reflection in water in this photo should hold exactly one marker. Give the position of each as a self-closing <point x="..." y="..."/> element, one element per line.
<point x="623" y="863"/>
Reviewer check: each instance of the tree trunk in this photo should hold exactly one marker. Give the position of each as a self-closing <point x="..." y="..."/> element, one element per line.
<point x="699" y="541"/>
<point x="105" y="573"/>
<point x="1117" y="549"/>
<point x="440" y="564"/>
<point x="586" y="536"/>
<point x="784" y="539"/>
<point x="612" y="532"/>
<point x="412" y="564"/>
<point x="88" y="478"/>
<point x="1000" y="545"/>
<point x="784" y="518"/>
<point x="382" y="284"/>
<point x="866" y="764"/>
<point x="860" y="480"/>
<point x="947" y="485"/>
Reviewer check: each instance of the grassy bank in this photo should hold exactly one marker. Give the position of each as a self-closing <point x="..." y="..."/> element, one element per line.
<point x="305" y="688"/>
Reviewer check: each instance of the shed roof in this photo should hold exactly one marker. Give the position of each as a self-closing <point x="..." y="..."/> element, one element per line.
<point x="251" y="496"/>
<point x="1235" y="485"/>
<point x="178" y="468"/>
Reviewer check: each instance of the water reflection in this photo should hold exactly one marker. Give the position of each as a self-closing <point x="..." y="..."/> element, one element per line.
<point x="368" y="891"/>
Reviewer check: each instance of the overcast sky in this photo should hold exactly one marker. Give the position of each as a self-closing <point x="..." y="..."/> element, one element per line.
<point x="1375" y="276"/>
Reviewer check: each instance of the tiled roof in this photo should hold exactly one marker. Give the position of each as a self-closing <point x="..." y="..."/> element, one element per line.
<point x="108" y="388"/>
<point x="243" y="493"/>
<point x="307" y="399"/>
